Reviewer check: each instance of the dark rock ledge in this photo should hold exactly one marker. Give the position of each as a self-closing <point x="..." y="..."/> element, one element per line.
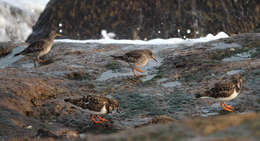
<point x="135" y="19"/>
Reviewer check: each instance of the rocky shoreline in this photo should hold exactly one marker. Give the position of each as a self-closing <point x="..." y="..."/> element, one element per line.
<point x="32" y="105"/>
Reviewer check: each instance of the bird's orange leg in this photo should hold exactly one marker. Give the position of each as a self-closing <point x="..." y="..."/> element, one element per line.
<point x="139" y="70"/>
<point x="40" y="60"/>
<point x="222" y="104"/>
<point x="133" y="70"/>
<point x="94" y="120"/>
<point x="228" y="106"/>
<point x="34" y="62"/>
<point x="102" y="119"/>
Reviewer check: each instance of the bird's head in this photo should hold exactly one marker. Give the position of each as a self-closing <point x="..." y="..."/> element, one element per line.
<point x="149" y="54"/>
<point x="53" y="34"/>
<point x="113" y="105"/>
<point x="237" y="79"/>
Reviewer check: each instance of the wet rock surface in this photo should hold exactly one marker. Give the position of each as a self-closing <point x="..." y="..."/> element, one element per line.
<point x="32" y="102"/>
<point x="133" y="19"/>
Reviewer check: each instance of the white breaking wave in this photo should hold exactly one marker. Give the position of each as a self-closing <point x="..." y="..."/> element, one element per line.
<point x="30" y="5"/>
<point x="17" y="18"/>
<point x="158" y="41"/>
<point x="106" y="35"/>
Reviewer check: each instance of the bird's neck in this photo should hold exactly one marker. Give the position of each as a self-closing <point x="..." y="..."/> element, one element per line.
<point x="238" y="87"/>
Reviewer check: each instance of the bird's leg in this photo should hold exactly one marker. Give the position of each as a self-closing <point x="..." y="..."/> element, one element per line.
<point x="133" y="70"/>
<point x="34" y="62"/>
<point x="139" y="70"/>
<point x="94" y="120"/>
<point x="102" y="119"/>
<point x="39" y="60"/>
<point x="222" y="104"/>
<point x="228" y="106"/>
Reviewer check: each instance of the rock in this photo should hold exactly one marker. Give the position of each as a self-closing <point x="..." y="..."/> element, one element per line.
<point x="37" y="96"/>
<point x="131" y="19"/>
<point x="235" y="127"/>
<point x="257" y="29"/>
<point x="29" y="127"/>
<point x="161" y="120"/>
<point x="79" y="76"/>
<point x="164" y="119"/>
<point x="72" y="134"/>
<point x="42" y="133"/>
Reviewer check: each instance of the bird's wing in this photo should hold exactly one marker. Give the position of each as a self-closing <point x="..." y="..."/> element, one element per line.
<point x="225" y="86"/>
<point x="34" y="47"/>
<point x="133" y="56"/>
<point x="78" y="102"/>
<point x="95" y="103"/>
<point x="222" y="89"/>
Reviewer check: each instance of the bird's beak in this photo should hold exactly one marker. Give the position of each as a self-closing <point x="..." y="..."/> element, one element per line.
<point x="154" y="59"/>
<point x="57" y="34"/>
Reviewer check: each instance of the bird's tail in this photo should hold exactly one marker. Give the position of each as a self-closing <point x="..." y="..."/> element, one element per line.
<point x="17" y="54"/>
<point x="202" y="95"/>
<point x="198" y="95"/>
<point x="117" y="57"/>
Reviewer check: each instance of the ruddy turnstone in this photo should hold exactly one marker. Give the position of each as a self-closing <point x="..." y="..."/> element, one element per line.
<point x="136" y="58"/>
<point x="39" y="48"/>
<point x="224" y="91"/>
<point x="96" y="105"/>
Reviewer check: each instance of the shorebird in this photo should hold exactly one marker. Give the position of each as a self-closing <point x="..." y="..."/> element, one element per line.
<point x="96" y="105"/>
<point x="224" y="91"/>
<point x="39" y="48"/>
<point x="136" y="58"/>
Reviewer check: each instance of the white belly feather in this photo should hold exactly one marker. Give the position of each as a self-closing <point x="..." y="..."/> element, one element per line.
<point x="101" y="112"/>
<point x="142" y="62"/>
<point x="46" y="50"/>
<point x="232" y="96"/>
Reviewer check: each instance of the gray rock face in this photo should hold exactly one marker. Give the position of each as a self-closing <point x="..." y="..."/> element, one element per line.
<point x="135" y="19"/>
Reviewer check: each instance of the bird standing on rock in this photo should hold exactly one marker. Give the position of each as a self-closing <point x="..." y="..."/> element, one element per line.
<point x="96" y="105"/>
<point x="225" y="91"/>
<point x="39" y="48"/>
<point x="136" y="58"/>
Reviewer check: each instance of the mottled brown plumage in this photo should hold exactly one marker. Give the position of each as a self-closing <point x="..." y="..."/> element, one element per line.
<point x="96" y="105"/>
<point x="136" y="58"/>
<point x="224" y="91"/>
<point x="39" y="48"/>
